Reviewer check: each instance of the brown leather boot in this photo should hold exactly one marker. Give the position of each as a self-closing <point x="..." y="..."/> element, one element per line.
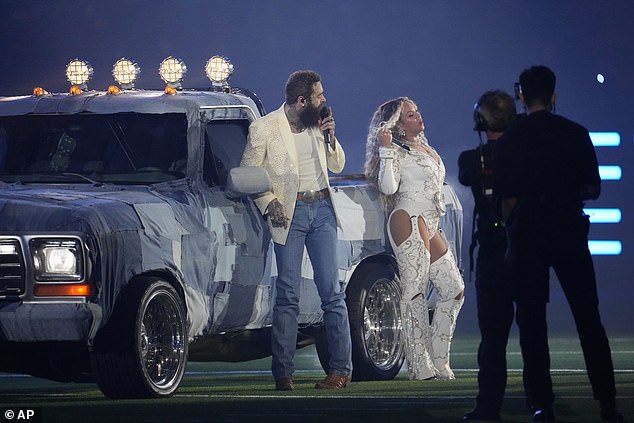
<point x="284" y="383"/>
<point x="334" y="381"/>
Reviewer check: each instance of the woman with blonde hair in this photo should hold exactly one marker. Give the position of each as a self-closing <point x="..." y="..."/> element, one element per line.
<point x="409" y="174"/>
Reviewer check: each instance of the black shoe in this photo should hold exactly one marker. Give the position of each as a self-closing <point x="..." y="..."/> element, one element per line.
<point x="609" y="412"/>
<point x="478" y="414"/>
<point x="545" y="414"/>
<point x="611" y="415"/>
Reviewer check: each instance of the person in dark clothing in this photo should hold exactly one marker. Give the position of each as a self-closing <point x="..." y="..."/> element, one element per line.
<point x="546" y="168"/>
<point x="494" y="114"/>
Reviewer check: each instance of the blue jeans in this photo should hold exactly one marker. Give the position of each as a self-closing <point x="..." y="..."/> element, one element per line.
<point x="313" y="225"/>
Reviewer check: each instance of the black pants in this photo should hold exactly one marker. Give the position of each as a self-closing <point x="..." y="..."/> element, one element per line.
<point x="496" y="310"/>
<point x="565" y="249"/>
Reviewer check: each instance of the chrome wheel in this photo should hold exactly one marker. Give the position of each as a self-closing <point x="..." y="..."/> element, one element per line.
<point x="382" y="324"/>
<point x="142" y="351"/>
<point x="373" y="297"/>
<point x="161" y="339"/>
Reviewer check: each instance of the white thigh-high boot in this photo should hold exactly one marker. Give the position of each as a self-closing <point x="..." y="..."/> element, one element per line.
<point x="446" y="278"/>
<point x="413" y="264"/>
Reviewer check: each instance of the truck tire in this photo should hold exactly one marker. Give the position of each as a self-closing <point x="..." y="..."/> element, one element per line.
<point x="372" y="298"/>
<point x="142" y="351"/>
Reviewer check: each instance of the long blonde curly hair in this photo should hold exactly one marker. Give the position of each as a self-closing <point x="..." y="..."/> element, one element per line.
<point x="387" y="115"/>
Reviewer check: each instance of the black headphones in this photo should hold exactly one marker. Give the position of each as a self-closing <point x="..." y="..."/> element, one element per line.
<point x="480" y="123"/>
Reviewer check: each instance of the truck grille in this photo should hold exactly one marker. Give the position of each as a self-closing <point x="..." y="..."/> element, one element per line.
<point x="11" y="268"/>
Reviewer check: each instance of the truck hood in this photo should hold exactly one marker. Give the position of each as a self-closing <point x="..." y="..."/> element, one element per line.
<point x="129" y="230"/>
<point x="88" y="210"/>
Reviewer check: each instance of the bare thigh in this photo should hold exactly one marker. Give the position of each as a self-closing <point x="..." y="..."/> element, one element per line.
<point x="401" y="228"/>
<point x="437" y="246"/>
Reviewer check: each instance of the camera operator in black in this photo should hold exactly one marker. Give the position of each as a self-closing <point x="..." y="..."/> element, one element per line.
<point x="546" y="168"/>
<point x="494" y="113"/>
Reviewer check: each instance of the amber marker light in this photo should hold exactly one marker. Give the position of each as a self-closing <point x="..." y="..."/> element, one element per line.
<point x="63" y="290"/>
<point x="74" y="90"/>
<point x="113" y="89"/>
<point x="39" y="91"/>
<point x="169" y="90"/>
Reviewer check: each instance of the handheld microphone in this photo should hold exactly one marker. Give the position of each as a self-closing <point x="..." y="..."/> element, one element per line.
<point x="325" y="114"/>
<point x="400" y="144"/>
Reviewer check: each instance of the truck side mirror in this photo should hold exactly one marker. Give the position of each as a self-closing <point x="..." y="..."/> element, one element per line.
<point x="247" y="180"/>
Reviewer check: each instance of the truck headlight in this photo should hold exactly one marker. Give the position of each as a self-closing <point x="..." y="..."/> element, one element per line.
<point x="57" y="259"/>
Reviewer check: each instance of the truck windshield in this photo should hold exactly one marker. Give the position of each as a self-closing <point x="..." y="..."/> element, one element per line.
<point x="126" y="148"/>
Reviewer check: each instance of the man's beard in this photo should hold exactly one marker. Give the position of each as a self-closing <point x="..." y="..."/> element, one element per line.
<point x="309" y="116"/>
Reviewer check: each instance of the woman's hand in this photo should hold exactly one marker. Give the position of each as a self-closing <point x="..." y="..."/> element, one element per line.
<point x="385" y="136"/>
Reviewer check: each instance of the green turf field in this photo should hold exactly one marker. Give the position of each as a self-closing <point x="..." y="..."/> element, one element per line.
<point x="243" y="392"/>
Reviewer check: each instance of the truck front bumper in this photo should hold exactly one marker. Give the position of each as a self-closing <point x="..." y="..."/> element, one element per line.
<point x="33" y="322"/>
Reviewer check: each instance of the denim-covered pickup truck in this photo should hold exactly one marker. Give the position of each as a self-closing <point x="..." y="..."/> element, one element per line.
<point x="129" y="243"/>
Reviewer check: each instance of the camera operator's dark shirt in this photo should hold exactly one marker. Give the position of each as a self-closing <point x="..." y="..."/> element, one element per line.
<point x="546" y="159"/>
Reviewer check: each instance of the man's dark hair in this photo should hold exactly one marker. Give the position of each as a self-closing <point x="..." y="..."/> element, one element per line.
<point x="497" y="108"/>
<point x="537" y="85"/>
<point x="300" y="83"/>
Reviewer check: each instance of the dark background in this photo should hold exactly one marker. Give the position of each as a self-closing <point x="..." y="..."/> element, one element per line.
<point x="443" y="54"/>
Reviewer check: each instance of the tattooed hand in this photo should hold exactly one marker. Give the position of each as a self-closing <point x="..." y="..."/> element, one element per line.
<point x="276" y="213"/>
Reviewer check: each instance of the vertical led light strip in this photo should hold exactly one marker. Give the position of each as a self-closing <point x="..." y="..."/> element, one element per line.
<point x="606" y="215"/>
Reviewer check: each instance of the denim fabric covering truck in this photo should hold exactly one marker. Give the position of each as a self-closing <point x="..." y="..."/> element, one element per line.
<point x="129" y="243"/>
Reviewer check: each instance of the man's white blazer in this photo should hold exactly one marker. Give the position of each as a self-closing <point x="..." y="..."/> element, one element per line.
<point x="271" y="145"/>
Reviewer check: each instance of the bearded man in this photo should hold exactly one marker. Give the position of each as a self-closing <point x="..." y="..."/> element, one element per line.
<point x="296" y="145"/>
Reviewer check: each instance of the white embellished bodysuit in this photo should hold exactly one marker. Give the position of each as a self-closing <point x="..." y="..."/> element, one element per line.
<point x="416" y="179"/>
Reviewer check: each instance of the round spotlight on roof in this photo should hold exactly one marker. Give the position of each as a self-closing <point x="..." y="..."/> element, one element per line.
<point x="126" y="72"/>
<point x="172" y="71"/>
<point x="79" y="73"/>
<point x="218" y="70"/>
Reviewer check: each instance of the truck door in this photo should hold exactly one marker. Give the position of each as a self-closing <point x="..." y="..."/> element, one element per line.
<point x="243" y="253"/>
